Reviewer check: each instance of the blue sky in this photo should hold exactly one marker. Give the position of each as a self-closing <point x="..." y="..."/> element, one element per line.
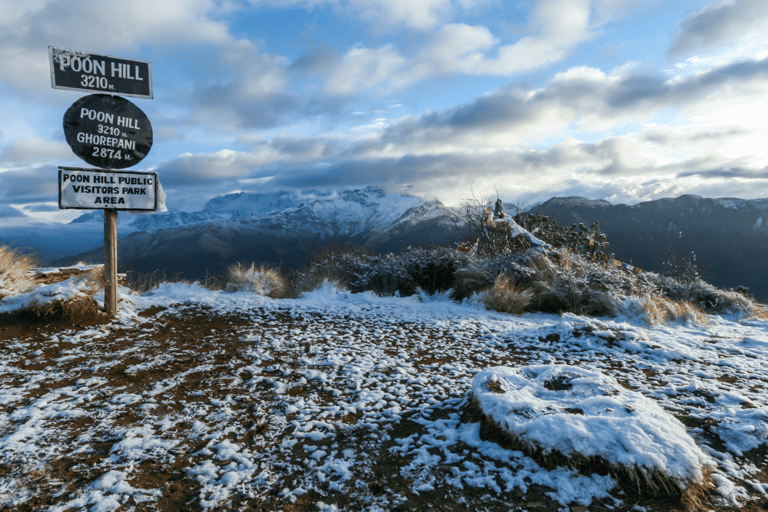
<point x="624" y="100"/>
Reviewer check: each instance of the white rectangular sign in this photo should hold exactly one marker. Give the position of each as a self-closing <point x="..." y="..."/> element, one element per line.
<point x="97" y="189"/>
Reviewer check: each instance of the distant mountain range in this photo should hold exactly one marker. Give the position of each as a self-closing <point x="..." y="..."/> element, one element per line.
<point x="279" y="229"/>
<point x="728" y="236"/>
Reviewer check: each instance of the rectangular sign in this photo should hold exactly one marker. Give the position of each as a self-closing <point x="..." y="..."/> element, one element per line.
<point x="90" y="72"/>
<point x="97" y="189"/>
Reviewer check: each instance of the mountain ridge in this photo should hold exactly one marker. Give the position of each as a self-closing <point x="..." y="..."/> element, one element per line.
<point x="279" y="229"/>
<point x="728" y="236"/>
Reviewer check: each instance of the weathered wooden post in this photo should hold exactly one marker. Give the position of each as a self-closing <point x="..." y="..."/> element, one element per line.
<point x="110" y="262"/>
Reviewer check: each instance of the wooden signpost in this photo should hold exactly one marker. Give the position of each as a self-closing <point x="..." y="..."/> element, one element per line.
<point x="108" y="132"/>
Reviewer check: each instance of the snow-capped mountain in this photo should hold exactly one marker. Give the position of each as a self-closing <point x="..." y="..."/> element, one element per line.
<point x="278" y="228"/>
<point x="350" y="212"/>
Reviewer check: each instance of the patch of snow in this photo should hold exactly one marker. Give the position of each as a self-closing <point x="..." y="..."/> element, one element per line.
<point x="578" y="412"/>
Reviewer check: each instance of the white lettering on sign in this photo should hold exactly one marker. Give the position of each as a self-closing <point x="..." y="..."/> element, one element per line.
<point x="128" y="122"/>
<point x="96" y="189"/>
<point x="103" y="140"/>
<point x="91" y="66"/>
<point x="85" y="65"/>
<point x="121" y="70"/>
<point x="93" y="115"/>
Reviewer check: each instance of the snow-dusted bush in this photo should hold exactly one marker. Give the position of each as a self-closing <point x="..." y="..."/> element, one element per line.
<point x="556" y="280"/>
<point x="590" y="242"/>
<point x="317" y="279"/>
<point x="566" y="282"/>
<point x="14" y="271"/>
<point x="260" y="280"/>
<point x="568" y="416"/>
<point x="404" y="274"/>
<point x="708" y="297"/>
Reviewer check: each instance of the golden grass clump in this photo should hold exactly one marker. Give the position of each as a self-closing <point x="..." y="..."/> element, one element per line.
<point x="81" y="309"/>
<point x="507" y="297"/>
<point x="261" y="280"/>
<point x="14" y="271"/>
<point x="658" y="310"/>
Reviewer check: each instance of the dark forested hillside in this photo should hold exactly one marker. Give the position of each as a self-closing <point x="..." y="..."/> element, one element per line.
<point x="729" y="237"/>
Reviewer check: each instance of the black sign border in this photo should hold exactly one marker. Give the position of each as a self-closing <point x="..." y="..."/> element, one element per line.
<point x="51" y="64"/>
<point x="110" y="171"/>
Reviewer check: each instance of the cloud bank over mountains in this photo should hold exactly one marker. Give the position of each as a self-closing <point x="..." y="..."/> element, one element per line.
<point x="609" y="99"/>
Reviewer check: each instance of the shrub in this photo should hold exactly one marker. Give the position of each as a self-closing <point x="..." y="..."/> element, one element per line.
<point x="261" y="281"/>
<point x="708" y="298"/>
<point x="472" y="278"/>
<point x="589" y="242"/>
<point x="430" y="269"/>
<point x="14" y="271"/>
<point x="143" y="281"/>
<point x="558" y="280"/>
<point x="317" y="278"/>
<point x="684" y="270"/>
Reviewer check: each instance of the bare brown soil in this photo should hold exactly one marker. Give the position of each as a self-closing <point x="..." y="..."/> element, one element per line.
<point x="186" y="359"/>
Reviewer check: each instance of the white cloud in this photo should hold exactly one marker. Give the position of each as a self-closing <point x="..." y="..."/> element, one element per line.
<point x="455" y="48"/>
<point x="555" y="28"/>
<point x="28" y="28"/>
<point x="609" y="10"/>
<point x="217" y="169"/>
<point x="424" y="14"/>
<point x="364" y="68"/>
<point x="24" y="152"/>
<point x="582" y="98"/>
<point x="491" y="142"/>
<point x="719" y="21"/>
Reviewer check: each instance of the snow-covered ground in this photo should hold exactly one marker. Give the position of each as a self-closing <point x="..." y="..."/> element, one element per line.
<point x="338" y="401"/>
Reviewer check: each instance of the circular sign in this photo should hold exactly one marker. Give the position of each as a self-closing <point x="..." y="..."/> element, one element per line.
<point x="108" y="131"/>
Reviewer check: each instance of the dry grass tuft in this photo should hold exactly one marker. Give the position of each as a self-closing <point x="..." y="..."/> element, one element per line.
<point x="261" y="281"/>
<point x="658" y="310"/>
<point x="738" y="302"/>
<point x="506" y="297"/>
<point x="79" y="310"/>
<point x="758" y="310"/>
<point x="14" y="271"/>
